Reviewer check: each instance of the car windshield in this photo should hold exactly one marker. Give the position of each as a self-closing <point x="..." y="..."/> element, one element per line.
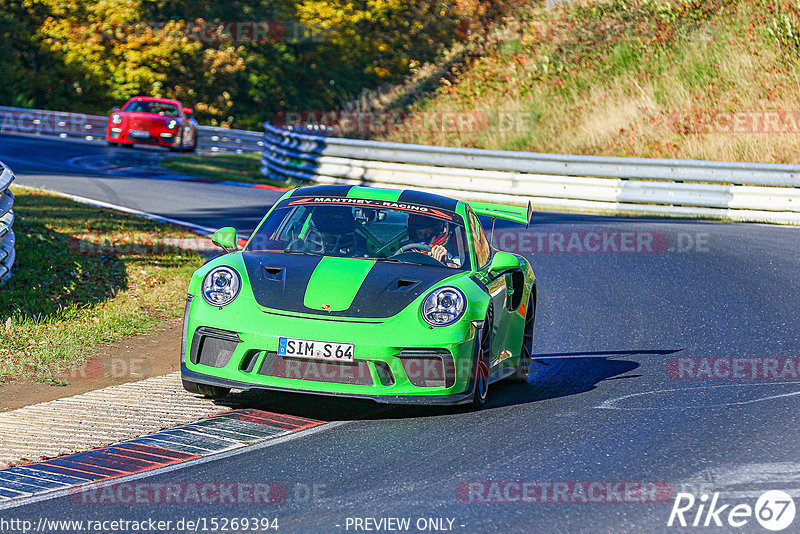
<point x="159" y="108"/>
<point x="361" y="228"/>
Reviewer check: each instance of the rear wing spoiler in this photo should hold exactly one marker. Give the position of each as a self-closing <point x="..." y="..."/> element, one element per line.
<point x="518" y="214"/>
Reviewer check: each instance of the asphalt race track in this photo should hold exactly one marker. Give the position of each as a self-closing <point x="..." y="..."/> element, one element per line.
<point x="625" y="326"/>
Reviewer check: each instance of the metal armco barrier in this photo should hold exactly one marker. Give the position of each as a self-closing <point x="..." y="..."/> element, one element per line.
<point x="93" y="128"/>
<point x="7" y="251"/>
<point x="625" y="186"/>
<point x="229" y="140"/>
<point x="745" y="192"/>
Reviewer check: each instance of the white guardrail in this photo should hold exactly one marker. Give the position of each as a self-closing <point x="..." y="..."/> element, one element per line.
<point x="93" y="128"/>
<point x="745" y="192"/>
<point x="7" y="251"/>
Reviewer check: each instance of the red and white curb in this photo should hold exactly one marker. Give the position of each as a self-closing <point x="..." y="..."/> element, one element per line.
<point x="105" y="416"/>
<point x="222" y="433"/>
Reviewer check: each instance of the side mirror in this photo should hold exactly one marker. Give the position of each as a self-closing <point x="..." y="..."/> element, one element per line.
<point x="225" y="238"/>
<point x="503" y="262"/>
<point x="188" y="112"/>
<point x="115" y="109"/>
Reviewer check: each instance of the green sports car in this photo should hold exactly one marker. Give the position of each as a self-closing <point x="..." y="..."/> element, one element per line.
<point x="395" y="296"/>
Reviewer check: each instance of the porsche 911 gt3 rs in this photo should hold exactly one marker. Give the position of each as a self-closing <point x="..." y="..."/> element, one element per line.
<point x="153" y="121"/>
<point x="395" y="296"/>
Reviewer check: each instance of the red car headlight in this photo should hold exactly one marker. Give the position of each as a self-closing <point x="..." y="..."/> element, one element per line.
<point x="116" y="119"/>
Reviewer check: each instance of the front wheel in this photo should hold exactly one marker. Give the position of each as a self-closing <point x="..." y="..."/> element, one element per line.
<point x="481" y="384"/>
<point x="484" y="356"/>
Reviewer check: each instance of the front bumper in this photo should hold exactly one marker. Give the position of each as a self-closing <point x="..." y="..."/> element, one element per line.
<point x="438" y="400"/>
<point x="168" y="139"/>
<point x="390" y="365"/>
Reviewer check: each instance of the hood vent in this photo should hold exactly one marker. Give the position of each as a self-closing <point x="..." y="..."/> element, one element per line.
<point x="403" y="284"/>
<point x="273" y="273"/>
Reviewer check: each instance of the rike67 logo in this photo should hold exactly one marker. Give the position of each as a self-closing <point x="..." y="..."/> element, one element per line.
<point x="774" y="510"/>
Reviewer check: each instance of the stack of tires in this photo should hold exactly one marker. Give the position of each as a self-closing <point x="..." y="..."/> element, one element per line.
<point x="7" y="253"/>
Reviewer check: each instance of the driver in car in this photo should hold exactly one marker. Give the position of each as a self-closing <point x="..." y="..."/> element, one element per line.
<point x="433" y="232"/>
<point x="334" y="232"/>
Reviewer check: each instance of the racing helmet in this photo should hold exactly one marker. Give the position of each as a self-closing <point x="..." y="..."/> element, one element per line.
<point x="332" y="229"/>
<point x="428" y="230"/>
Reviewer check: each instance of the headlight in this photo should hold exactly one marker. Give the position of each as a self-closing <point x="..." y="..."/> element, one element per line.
<point x="171" y="125"/>
<point x="221" y="286"/>
<point x="444" y="306"/>
<point x="116" y="119"/>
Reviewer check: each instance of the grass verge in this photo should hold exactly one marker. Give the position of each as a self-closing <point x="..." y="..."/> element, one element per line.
<point x="85" y="276"/>
<point x="694" y="79"/>
<point x="236" y="167"/>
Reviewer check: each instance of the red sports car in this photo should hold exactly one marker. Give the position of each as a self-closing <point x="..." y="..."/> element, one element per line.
<point x="153" y="121"/>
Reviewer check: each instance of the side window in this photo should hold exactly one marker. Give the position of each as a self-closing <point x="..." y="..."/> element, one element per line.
<point x="483" y="251"/>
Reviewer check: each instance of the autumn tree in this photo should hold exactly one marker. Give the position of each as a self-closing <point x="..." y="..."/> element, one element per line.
<point x="88" y="55"/>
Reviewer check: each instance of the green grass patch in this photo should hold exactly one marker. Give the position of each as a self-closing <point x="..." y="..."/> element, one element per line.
<point x="624" y="78"/>
<point x="236" y="167"/>
<point x="624" y="57"/>
<point x="85" y="276"/>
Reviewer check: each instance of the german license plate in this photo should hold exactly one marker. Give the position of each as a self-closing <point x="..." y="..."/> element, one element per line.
<point x="140" y="134"/>
<point x="315" y="350"/>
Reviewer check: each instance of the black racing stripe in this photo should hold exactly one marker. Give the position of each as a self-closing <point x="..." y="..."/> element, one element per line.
<point x="383" y="295"/>
<point x="323" y="191"/>
<point x="286" y="289"/>
<point x="386" y="291"/>
<point x="428" y="199"/>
